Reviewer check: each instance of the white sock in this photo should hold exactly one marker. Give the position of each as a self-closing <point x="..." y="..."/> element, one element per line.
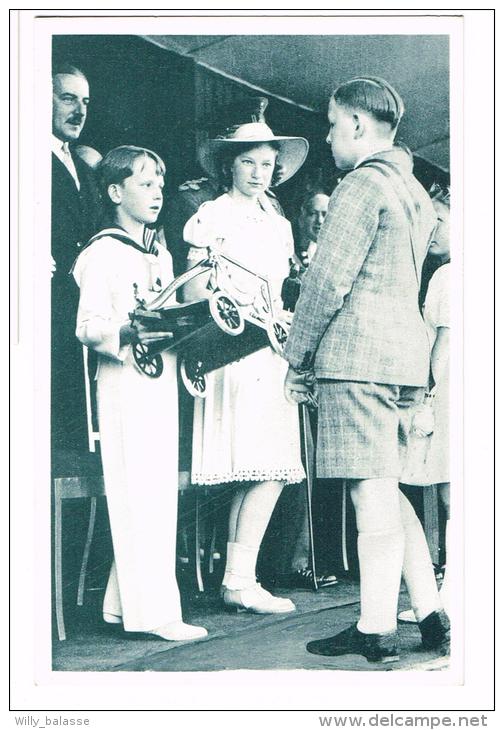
<point x="240" y="566"/>
<point x="380" y="562"/>
<point x="417" y="566"/>
<point x="444" y="592"/>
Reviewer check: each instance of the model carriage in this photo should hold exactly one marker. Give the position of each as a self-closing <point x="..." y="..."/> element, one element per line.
<point x="210" y="333"/>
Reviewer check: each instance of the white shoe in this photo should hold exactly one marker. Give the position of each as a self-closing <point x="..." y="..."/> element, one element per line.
<point x="179" y="631"/>
<point x="407" y="617"/>
<point x="256" y="600"/>
<point x="112" y="618"/>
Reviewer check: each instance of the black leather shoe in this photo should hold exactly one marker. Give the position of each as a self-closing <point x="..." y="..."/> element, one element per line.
<point x="435" y="630"/>
<point x="303" y="578"/>
<point x="375" y="647"/>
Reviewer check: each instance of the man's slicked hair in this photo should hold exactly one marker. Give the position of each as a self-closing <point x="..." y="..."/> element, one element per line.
<point x="308" y="197"/>
<point x="68" y="69"/>
<point x="373" y="95"/>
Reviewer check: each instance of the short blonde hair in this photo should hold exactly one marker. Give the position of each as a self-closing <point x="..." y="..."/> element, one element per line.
<point x="117" y="165"/>
<point x="373" y="95"/>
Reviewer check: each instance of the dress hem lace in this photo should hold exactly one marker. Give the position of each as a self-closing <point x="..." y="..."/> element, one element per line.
<point x="289" y="476"/>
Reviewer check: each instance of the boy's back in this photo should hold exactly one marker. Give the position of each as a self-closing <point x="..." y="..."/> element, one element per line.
<point x="360" y="295"/>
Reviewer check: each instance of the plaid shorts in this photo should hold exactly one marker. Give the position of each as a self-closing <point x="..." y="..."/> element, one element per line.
<point x="363" y="428"/>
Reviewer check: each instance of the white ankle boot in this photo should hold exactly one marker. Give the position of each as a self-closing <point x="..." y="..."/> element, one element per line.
<point x="179" y="631"/>
<point x="240" y="589"/>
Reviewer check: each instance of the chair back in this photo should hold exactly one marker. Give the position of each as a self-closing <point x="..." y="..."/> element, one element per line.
<point x="89" y="358"/>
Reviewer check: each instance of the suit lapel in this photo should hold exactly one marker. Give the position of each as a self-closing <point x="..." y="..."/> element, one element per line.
<point x="64" y="184"/>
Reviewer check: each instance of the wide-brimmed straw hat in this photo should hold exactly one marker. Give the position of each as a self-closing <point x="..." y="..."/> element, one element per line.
<point x="291" y="154"/>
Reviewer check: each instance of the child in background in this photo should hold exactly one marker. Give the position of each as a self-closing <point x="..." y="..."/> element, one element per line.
<point x="428" y="453"/>
<point x="138" y="416"/>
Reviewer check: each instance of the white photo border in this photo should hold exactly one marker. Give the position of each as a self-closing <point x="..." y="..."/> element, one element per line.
<point x="468" y="684"/>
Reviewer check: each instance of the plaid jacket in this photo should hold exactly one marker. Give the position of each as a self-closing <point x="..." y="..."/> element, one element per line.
<point x="357" y="317"/>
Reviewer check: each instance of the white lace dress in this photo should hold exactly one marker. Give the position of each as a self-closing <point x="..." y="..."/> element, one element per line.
<point x="245" y="430"/>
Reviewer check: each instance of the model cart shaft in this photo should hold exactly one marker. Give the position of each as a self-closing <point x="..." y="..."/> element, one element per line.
<point x="210" y="333"/>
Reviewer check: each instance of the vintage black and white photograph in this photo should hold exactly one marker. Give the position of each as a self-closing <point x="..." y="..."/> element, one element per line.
<point x="250" y="390"/>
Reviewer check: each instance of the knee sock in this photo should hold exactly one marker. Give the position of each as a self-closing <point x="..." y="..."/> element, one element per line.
<point x="380" y="563"/>
<point x="444" y="593"/>
<point x="240" y="566"/>
<point x="417" y="565"/>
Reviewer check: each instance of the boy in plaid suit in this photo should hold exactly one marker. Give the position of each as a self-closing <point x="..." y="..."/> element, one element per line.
<point x="357" y="326"/>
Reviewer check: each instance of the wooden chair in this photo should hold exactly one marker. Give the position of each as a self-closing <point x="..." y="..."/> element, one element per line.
<point x="72" y="488"/>
<point x="92" y="487"/>
<point x="185" y="486"/>
<point x="76" y="487"/>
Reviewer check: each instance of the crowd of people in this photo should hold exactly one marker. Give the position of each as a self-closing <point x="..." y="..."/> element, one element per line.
<point x="357" y="345"/>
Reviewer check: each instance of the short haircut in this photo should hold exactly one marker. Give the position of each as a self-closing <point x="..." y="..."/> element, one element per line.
<point x="226" y="157"/>
<point x="68" y="69"/>
<point x="373" y="95"/>
<point x="117" y="165"/>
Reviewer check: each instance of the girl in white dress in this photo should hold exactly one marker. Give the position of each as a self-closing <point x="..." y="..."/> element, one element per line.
<point x="138" y="417"/>
<point x="245" y="432"/>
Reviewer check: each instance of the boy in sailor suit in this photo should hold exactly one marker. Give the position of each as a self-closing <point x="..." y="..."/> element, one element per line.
<point x="138" y="417"/>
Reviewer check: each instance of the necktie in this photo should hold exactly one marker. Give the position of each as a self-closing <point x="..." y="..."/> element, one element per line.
<point x="69" y="163"/>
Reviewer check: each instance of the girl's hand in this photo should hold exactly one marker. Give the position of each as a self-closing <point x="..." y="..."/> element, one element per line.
<point x="284" y="316"/>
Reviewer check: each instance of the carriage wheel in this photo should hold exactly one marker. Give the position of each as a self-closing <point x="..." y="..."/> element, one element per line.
<point x="151" y="365"/>
<point x="277" y="333"/>
<point x="226" y="314"/>
<point x="193" y="379"/>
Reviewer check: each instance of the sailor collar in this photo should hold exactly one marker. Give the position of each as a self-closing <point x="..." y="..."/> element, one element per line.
<point x="149" y="239"/>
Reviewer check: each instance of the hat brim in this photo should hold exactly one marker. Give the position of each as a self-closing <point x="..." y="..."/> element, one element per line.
<point x="291" y="154"/>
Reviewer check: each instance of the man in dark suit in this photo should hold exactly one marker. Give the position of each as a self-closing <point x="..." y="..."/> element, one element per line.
<point x="74" y="217"/>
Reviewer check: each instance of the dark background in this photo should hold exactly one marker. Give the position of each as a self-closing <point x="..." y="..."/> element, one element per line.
<point x="145" y="95"/>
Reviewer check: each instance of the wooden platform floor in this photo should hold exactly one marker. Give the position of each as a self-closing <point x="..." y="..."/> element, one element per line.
<point x="235" y="641"/>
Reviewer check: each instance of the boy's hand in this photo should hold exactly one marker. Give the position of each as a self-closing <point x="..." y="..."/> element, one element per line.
<point x="129" y="334"/>
<point x="148" y="336"/>
<point x="298" y="387"/>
